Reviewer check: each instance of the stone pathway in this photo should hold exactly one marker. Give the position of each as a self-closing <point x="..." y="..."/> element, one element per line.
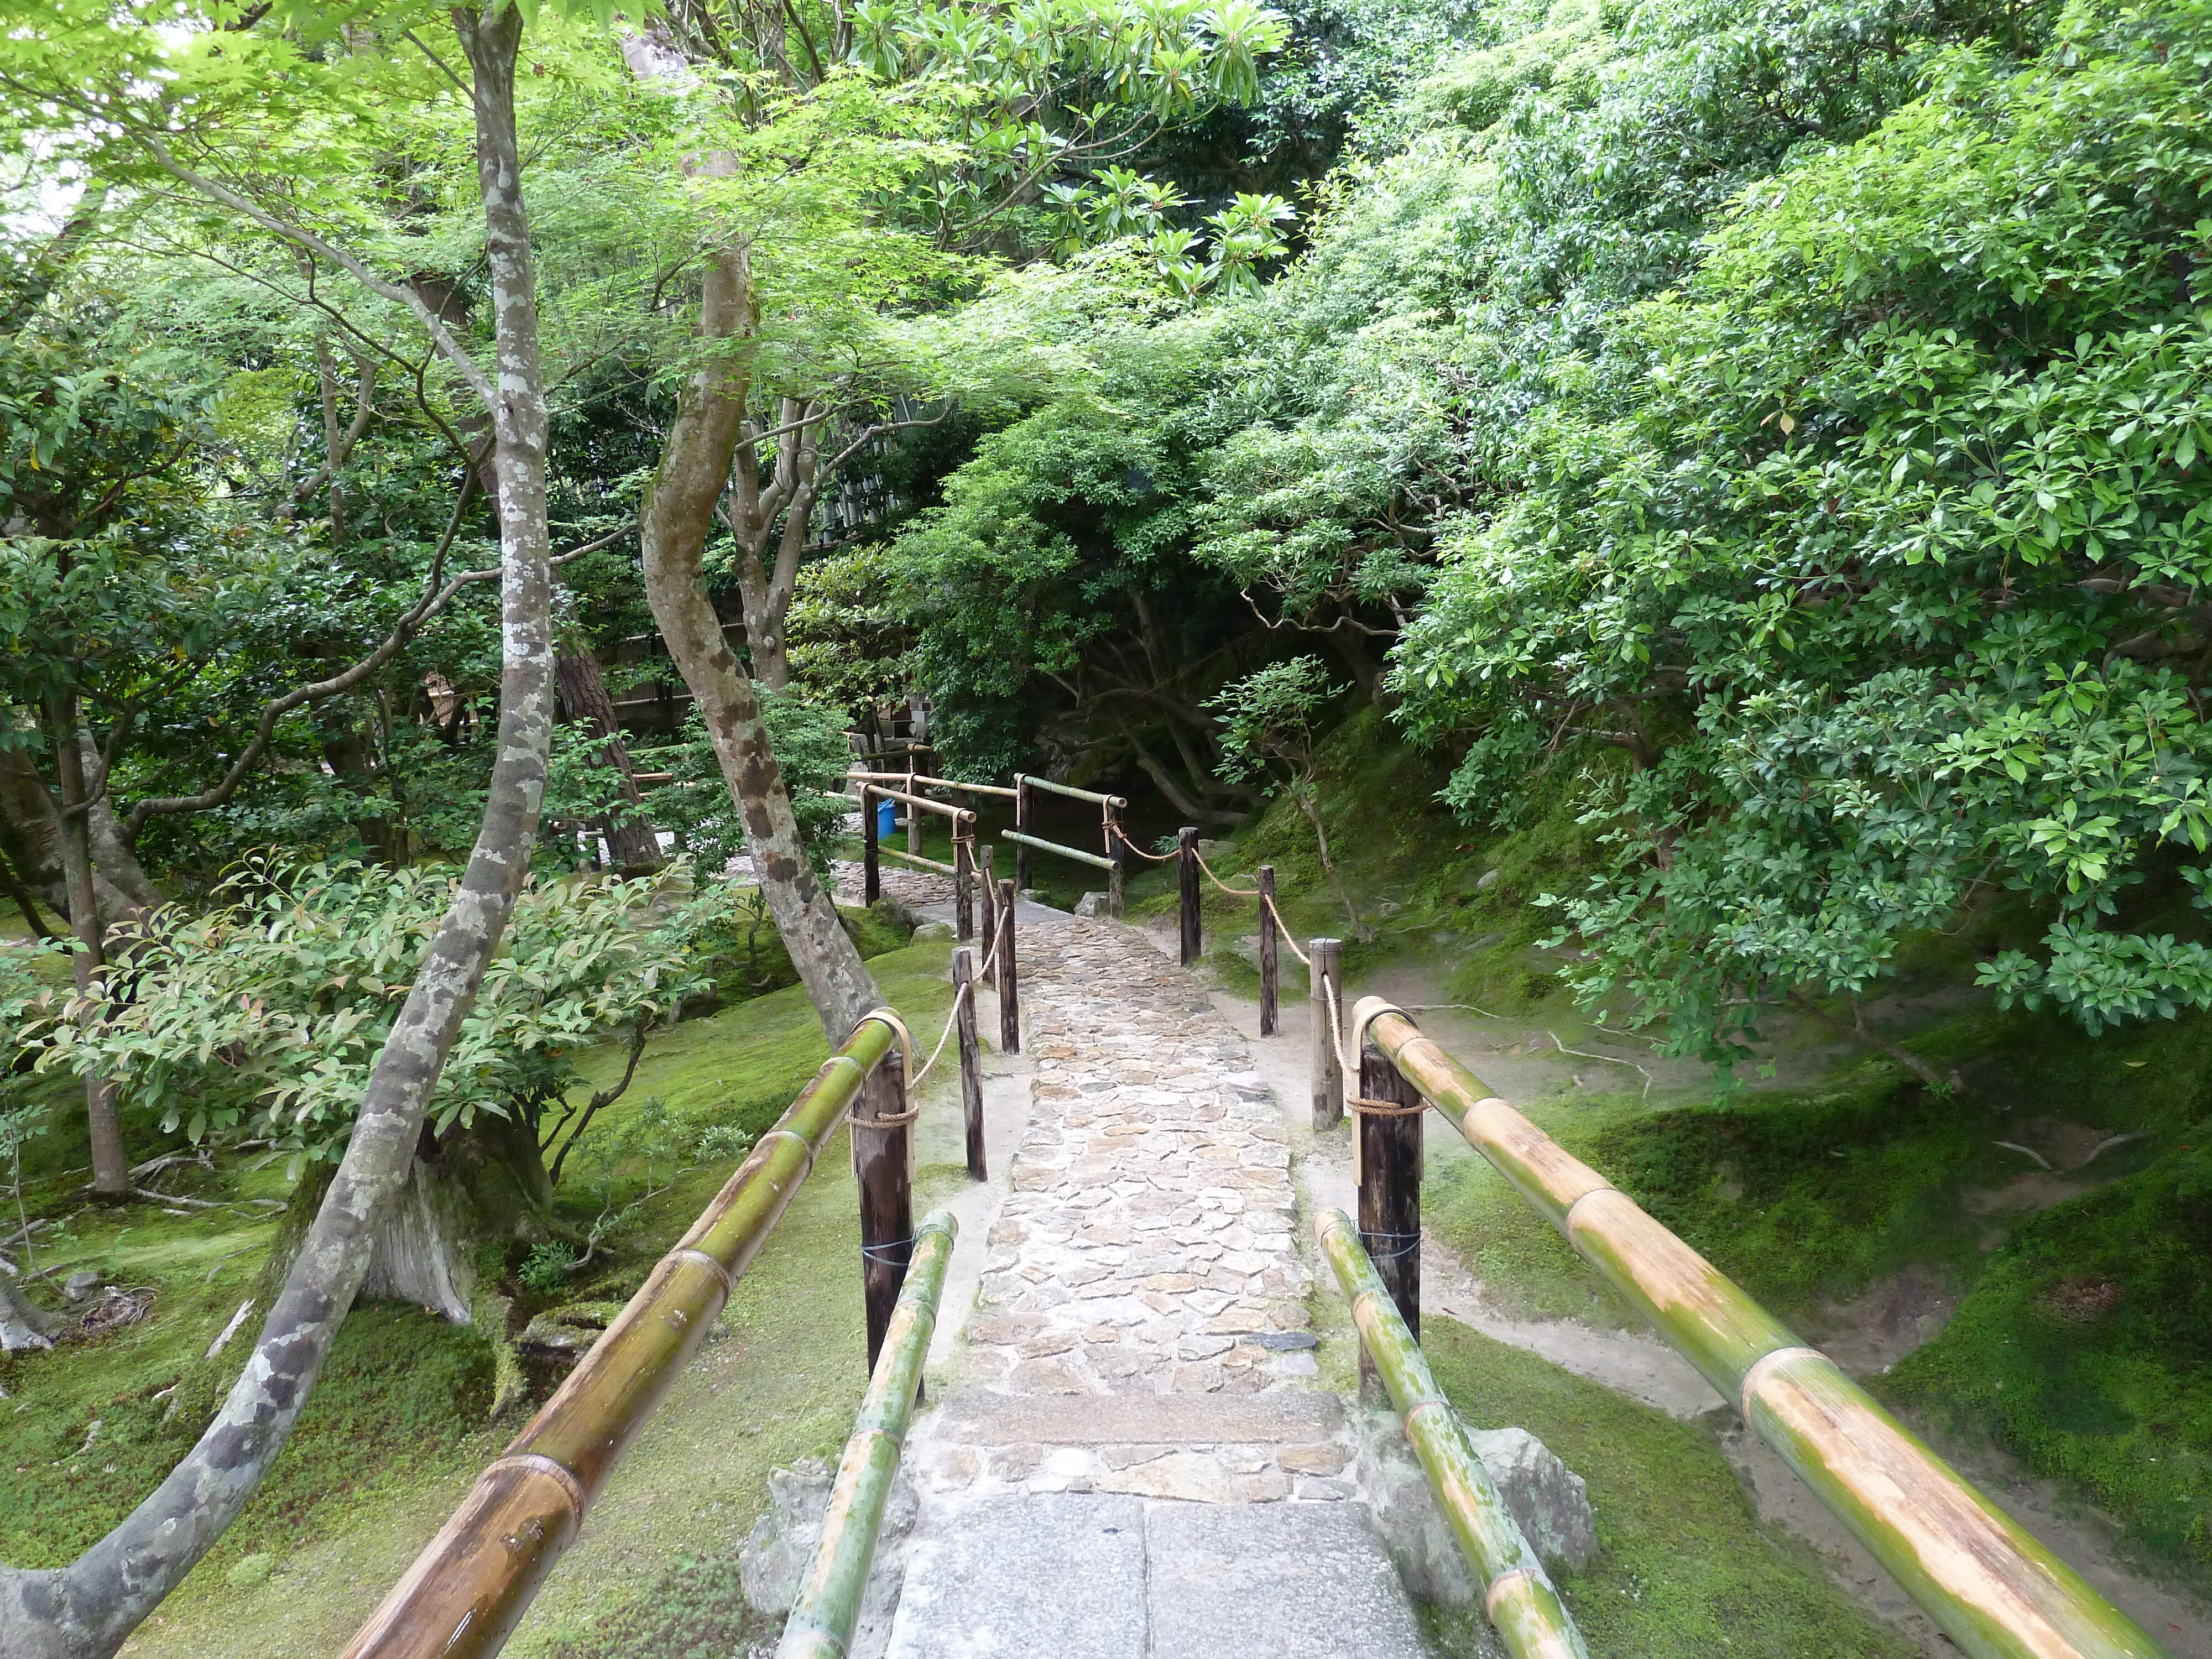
<point x="1136" y="1459"/>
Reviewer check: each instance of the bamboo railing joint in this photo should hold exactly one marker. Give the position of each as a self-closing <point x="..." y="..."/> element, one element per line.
<point x="710" y="1264"/>
<point x="551" y="1470"/>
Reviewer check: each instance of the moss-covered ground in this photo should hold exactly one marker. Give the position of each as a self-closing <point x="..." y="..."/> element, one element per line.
<point x="1686" y="1570"/>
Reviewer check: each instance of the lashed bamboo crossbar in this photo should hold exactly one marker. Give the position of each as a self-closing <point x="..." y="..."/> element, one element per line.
<point x="905" y="857"/>
<point x="472" y="1582"/>
<point x="1994" y="1590"/>
<point x="1032" y="781"/>
<point x="921" y="782"/>
<point x="1041" y="845"/>
<point x="941" y="808"/>
<point x="828" y="1604"/>
<point x="1517" y="1593"/>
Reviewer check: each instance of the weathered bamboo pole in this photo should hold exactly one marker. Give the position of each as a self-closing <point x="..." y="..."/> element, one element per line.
<point x="1387" y="1122"/>
<point x="963" y="886"/>
<point x="1270" y="1014"/>
<point x="1117" y="863"/>
<point x="473" y="1581"/>
<point x="872" y="884"/>
<point x="1994" y="1589"/>
<point x="988" y="932"/>
<point x="1188" y="893"/>
<point x="882" y="1160"/>
<point x="829" y="1605"/>
<point x="971" y="1067"/>
<point x="1518" y="1597"/>
<point x="913" y="799"/>
<point x="1021" y="828"/>
<point x="1325" y="967"/>
<point x="1009" y="984"/>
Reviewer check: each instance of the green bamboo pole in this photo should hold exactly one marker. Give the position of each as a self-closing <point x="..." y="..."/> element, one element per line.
<point x="473" y="1582"/>
<point x="1994" y="1590"/>
<point x="1522" y="1604"/>
<point x="822" y="1619"/>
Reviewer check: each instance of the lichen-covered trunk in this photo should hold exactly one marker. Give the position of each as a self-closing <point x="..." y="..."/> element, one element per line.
<point x="111" y="1164"/>
<point x="678" y="509"/>
<point x="87" y="1609"/>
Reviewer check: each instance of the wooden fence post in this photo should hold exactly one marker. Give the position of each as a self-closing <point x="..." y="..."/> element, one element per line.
<point x="1010" y="992"/>
<point x="1326" y="965"/>
<point x="871" y="886"/>
<point x="914" y="815"/>
<point x="971" y="1068"/>
<point x="1267" y="971"/>
<point x="1390" y="1192"/>
<point x="989" y="931"/>
<point x="1022" y="824"/>
<point x="1117" y="877"/>
<point x="885" y="1162"/>
<point x="1187" y="867"/>
<point x="963" y="880"/>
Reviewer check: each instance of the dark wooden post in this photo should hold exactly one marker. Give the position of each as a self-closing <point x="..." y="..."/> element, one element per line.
<point x="1187" y="864"/>
<point x="964" y="882"/>
<point x="884" y="1161"/>
<point x="1022" y="824"/>
<point x="971" y="1067"/>
<point x="1010" y="992"/>
<point x="1326" y="970"/>
<point x="1267" y="973"/>
<point x="1117" y="849"/>
<point x="989" y="932"/>
<point x="872" y="887"/>
<point x="1390" y="1192"/>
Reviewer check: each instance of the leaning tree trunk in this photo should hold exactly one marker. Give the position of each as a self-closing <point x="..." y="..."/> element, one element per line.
<point x="678" y="510"/>
<point x="87" y="1609"/>
<point x="584" y="690"/>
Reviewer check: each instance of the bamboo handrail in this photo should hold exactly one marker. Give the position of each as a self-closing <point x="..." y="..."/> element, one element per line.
<point x="936" y="783"/>
<point x="945" y="809"/>
<point x="1070" y="791"/>
<point x="472" y="1582"/>
<point x="1517" y="1595"/>
<point x="1075" y="853"/>
<point x="1994" y="1589"/>
<point x="905" y="857"/>
<point x="829" y="1606"/>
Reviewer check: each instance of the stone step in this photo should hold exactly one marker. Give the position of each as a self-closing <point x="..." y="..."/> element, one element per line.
<point x="1094" y="1576"/>
<point x="1243" y="1449"/>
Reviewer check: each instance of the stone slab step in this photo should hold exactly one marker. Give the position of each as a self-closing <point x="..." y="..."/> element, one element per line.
<point x="1093" y="1576"/>
<point x="983" y="1417"/>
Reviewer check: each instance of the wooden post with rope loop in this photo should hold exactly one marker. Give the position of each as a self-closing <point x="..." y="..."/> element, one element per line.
<point x="1388" y="1111"/>
<point x="882" y="1130"/>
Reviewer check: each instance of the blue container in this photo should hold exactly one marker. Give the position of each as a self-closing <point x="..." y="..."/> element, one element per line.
<point x="886" y="819"/>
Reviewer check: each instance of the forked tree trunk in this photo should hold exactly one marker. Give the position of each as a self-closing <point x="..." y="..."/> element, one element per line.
<point x="679" y="508"/>
<point x="87" y="1609"/>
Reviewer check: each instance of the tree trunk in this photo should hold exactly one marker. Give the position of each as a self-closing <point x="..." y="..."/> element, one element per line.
<point x="584" y="690"/>
<point x="87" y="1609"/>
<point x="32" y="829"/>
<point x="678" y="509"/>
<point x="112" y="856"/>
<point x="111" y="1164"/>
<point x="1302" y="792"/>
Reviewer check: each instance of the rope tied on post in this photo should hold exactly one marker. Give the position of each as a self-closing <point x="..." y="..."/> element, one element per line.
<point x="1283" y="931"/>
